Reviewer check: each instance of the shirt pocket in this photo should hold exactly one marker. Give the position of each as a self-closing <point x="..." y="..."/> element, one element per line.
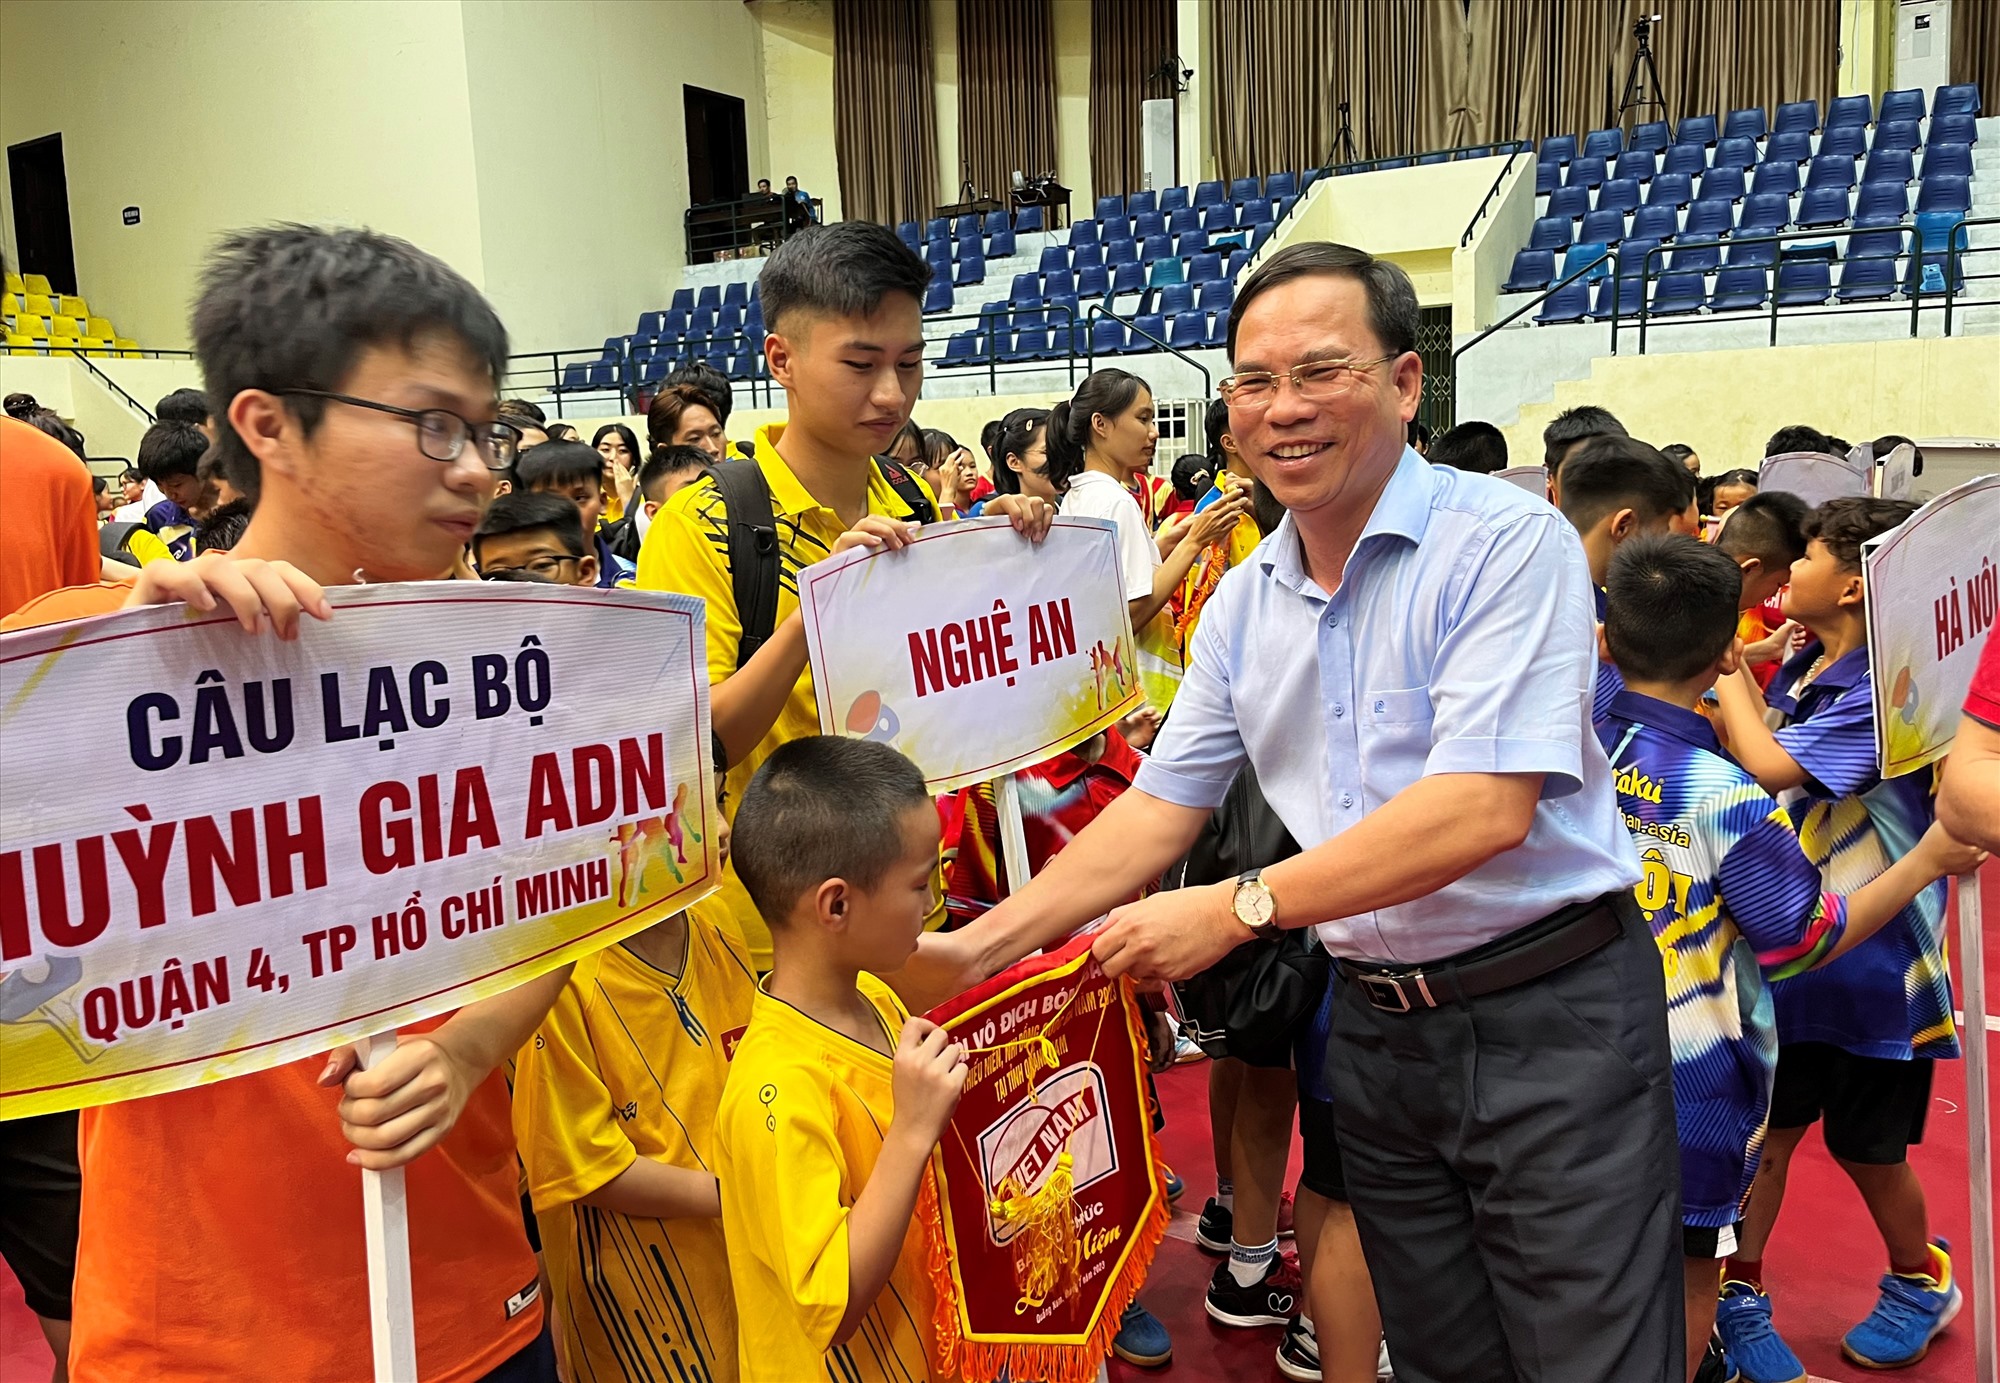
<point x="1397" y="710"/>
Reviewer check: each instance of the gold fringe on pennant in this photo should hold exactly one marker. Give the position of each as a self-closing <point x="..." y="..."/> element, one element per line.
<point x="1044" y="1246"/>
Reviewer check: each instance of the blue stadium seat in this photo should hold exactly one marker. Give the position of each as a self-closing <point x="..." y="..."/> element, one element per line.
<point x="1028" y="218"/>
<point x="1677" y="293"/>
<point x="1147" y="224"/>
<point x="1119" y="252"/>
<point x="1557" y="148"/>
<point x="1219" y="296"/>
<point x="1155" y="247"/>
<point x="1734" y="153"/>
<point x="1882" y="204"/>
<point x="1637" y="164"/>
<point x="1092" y="281"/>
<point x="1586" y="170"/>
<point x="1604" y="144"/>
<point x="937" y="298"/>
<point x="1548" y="177"/>
<point x="1107" y="336"/>
<point x="1670" y="189"/>
<point x="1028" y="343"/>
<point x="1657" y="222"/>
<point x="1752" y="254"/>
<point x="1739" y="289"/>
<point x="937" y="228"/>
<point x="1823" y="206"/>
<point x="1285" y="205"/>
<point x="1218" y="329"/>
<point x="742" y="365"/>
<point x="1255" y="212"/>
<point x="701" y="322"/>
<point x="1773" y="177"/>
<point x="1551" y="233"/>
<point x="1948" y="160"/>
<point x="1617" y="297"/>
<point x="651" y="324"/>
<point x="708" y="295"/>
<point x="1618" y="194"/>
<point x="1189" y="331"/>
<point x="966" y="225"/>
<point x="1747" y="123"/>
<point x="1144" y="325"/>
<point x="1083" y="232"/>
<point x="1140" y="203"/>
<point x="1907" y="104"/>
<point x="1571" y="202"/>
<point x="1233" y="266"/>
<point x="1058" y="284"/>
<point x="602" y="375"/>
<point x="575" y="377"/>
<point x="655" y="371"/>
<point x="729" y="319"/>
<point x="1127" y="277"/>
<point x="1887" y="243"/>
<point x="1764" y="214"/>
<point x="1578" y="258"/>
<point x="1190" y="243"/>
<point x="1205" y="268"/>
<point x="1110" y="205"/>
<point x="1962" y="99"/>
<point x="1028" y="313"/>
<point x="1569" y="303"/>
<point x="1944" y="193"/>
<point x="1281" y="185"/>
<point x="1243" y="189"/>
<point x="1866" y="280"/>
<point x="676" y="323"/>
<point x="1726" y="183"/>
<point x="1696" y="129"/>
<point x="1210" y="194"/>
<point x="964" y="347"/>
<point x="1025" y="288"/>
<point x="1117" y="228"/>
<point x="937" y="254"/>
<point x="1183" y="219"/>
<point x="1851" y="140"/>
<point x="1897" y="134"/>
<point x="909" y="233"/>
<point x="1804" y="282"/>
<point x="1688" y="160"/>
<point x="996" y="221"/>
<point x="973" y="245"/>
<point x="1000" y="244"/>
<point x="1788" y="148"/>
<point x="1709" y="220"/>
<point x="1796" y="117"/>
<point x="1936" y="234"/>
<point x="1219" y="218"/>
<point x="1955" y="128"/>
<point x="1652" y="135"/>
<point x="1606" y="225"/>
<point x="736" y="291"/>
<point x="1053" y="257"/>
<point x="1695" y="259"/>
<point x="1833" y="170"/>
<point x="1635" y="263"/>
<point x="1850" y="110"/>
<point x="1083" y="256"/>
<point x="1174" y="199"/>
<point x="683" y="300"/>
<point x="1175" y="299"/>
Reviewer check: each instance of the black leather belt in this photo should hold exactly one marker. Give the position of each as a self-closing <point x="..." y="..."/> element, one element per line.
<point x="1548" y="944"/>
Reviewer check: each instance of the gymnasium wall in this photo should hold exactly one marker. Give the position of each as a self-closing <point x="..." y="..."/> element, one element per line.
<point x="797" y="75"/>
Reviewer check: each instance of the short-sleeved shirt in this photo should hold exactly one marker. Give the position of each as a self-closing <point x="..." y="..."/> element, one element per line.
<point x="1982" y="701"/>
<point x="802" y="1123"/>
<point x="221" y="1232"/>
<point x="630" y="1063"/>
<point x="1890" y="996"/>
<point x="1732" y="901"/>
<point x="1095" y="495"/>
<point x="611" y="568"/>
<point x="48" y="521"/>
<point x="687" y="550"/>
<point x="1429" y="658"/>
<point x="174" y="526"/>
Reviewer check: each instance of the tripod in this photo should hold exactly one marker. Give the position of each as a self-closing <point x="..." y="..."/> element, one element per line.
<point x="1635" y="97"/>
<point x="1343" y="142"/>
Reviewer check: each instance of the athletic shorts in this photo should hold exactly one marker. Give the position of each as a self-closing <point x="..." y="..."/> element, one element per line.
<point x="1874" y="1108"/>
<point x="1322" y="1172"/>
<point x="40" y="1190"/>
<point x="1709" y="1241"/>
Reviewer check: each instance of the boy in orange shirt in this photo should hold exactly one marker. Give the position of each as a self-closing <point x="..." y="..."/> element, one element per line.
<point x="221" y="1234"/>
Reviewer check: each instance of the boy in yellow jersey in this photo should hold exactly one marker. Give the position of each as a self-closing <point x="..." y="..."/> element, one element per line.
<point x="843" y="305"/>
<point x="837" y="1096"/>
<point x="614" y="1111"/>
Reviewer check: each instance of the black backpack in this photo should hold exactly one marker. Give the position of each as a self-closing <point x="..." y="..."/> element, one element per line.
<point x="753" y="540"/>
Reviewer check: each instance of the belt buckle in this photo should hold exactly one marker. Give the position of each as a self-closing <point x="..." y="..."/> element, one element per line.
<point x="1379" y="988"/>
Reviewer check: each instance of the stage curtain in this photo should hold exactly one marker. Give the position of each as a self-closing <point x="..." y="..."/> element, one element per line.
<point x="1128" y="40"/>
<point x="885" y="120"/>
<point x="1975" y="50"/>
<point x="1006" y="92"/>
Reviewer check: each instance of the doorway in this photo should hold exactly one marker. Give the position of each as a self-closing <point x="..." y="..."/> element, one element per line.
<point x="41" y="211"/>
<point x="718" y="147"/>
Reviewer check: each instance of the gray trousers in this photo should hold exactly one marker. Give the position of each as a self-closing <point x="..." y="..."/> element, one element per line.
<point x="1514" y="1171"/>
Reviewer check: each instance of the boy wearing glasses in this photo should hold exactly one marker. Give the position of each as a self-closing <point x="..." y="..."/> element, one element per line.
<point x="575" y="471"/>
<point x="533" y="536"/>
<point x="355" y="377"/>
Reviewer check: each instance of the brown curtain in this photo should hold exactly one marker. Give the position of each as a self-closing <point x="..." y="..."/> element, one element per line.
<point x="1975" y="50"/>
<point x="1128" y="40"/>
<point x="1006" y="91"/>
<point x="885" y="120"/>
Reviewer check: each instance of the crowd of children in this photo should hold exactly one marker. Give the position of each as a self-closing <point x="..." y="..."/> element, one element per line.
<point x="722" y="1123"/>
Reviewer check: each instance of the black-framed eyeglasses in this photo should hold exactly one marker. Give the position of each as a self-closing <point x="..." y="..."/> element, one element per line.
<point x="544" y="568"/>
<point x="1316" y="380"/>
<point x="441" y="433"/>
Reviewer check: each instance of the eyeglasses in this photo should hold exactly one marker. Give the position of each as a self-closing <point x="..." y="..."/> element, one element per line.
<point x="544" y="568"/>
<point x="441" y="433"/>
<point x="1316" y="381"/>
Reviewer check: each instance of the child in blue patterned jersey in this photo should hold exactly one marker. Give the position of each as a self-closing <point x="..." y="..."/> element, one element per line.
<point x="1732" y="899"/>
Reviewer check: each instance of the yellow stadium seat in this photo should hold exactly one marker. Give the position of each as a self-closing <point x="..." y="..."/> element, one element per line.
<point x="126" y="346"/>
<point x="20" y="345"/>
<point x="93" y="345"/>
<point x="98" y="326"/>
<point x="38" y="304"/>
<point x="14" y="284"/>
<point x="65" y="326"/>
<point x="31" y="325"/>
<point x="10" y="304"/>
<point x="71" y="306"/>
<point x="39" y="283"/>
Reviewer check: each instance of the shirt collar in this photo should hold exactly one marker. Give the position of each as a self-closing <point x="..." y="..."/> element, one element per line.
<point x="790" y="499"/>
<point x="1403" y="509"/>
<point x="1677" y="721"/>
<point x="1841" y="674"/>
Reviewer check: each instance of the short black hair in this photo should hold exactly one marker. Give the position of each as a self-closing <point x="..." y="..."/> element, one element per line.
<point x="938" y="445"/>
<point x="19" y="406"/>
<point x="839" y="270"/>
<point x="129" y="473"/>
<point x="1842" y="525"/>
<point x="666" y="461"/>
<point x="989" y="438"/>
<point x="290" y="307"/>
<point x="1612" y="473"/>
<point x="1889" y="441"/>
<point x="1475" y="446"/>
<point x="1192" y="476"/>
<point x="183" y="406"/>
<point x="525" y="408"/>
<point x="1797" y="437"/>
<point x="171" y="449"/>
<point x="98" y="484"/>
<point x="558" y="463"/>
<point x="47" y="420"/>
<point x="1677" y="451"/>
<point x="1670" y="606"/>
<point x="528" y="509"/>
<point x="1215" y="426"/>
<point x="222" y="527"/>
<point x="1573" y="425"/>
<point x="1392" y="299"/>
<point x="1838" y="446"/>
<point x="1418" y="434"/>
<point x="714" y="387"/>
<point x="823" y="807"/>
<point x="1742" y="475"/>
<point x="1770" y="526"/>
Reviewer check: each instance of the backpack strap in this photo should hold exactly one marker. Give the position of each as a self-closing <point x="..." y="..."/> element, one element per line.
<point x="753" y="550"/>
<point x="910" y="488"/>
<point x="112" y="538"/>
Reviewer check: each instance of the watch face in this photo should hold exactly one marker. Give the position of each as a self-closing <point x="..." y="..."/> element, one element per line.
<point x="1254" y="905"/>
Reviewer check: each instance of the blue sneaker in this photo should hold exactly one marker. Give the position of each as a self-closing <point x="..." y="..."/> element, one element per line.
<point x="1911" y="1312"/>
<point x="1175" y="1186"/>
<point x="1755" y="1349"/>
<point x="1142" y="1340"/>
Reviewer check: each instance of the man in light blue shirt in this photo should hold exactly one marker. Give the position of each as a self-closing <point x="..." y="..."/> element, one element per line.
<point x="1408" y="663"/>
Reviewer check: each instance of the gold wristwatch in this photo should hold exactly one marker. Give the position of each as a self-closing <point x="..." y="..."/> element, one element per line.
<point x="1255" y="906"/>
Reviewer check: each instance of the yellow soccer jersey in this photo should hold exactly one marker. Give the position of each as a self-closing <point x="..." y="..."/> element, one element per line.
<point x="687" y="550"/>
<point x="628" y="1064"/>
<point x="802" y="1122"/>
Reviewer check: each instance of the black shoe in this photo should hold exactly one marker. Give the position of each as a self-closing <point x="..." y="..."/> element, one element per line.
<point x="1274" y="1299"/>
<point x="1715" y="1366"/>
<point x="1213" y="1230"/>
<point x="1298" y="1354"/>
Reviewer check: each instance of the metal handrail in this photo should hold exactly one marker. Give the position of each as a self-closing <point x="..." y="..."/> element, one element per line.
<point x="1515" y="315"/>
<point x="1492" y="149"/>
<point x="1498" y="178"/>
<point x="1952" y="254"/>
<point x="116" y="388"/>
<point x="1090" y="354"/>
<point x="992" y="359"/>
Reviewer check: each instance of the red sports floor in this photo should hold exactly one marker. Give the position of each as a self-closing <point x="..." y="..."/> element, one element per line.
<point x="1821" y="1266"/>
